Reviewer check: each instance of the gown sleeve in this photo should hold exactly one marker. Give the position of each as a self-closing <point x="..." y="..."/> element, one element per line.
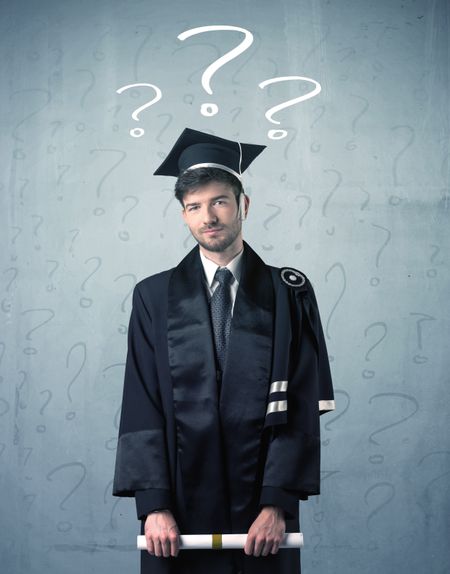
<point x="292" y="465"/>
<point x="141" y="468"/>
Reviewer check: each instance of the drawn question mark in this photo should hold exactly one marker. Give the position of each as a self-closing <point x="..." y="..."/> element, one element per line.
<point x="433" y="272"/>
<point x="123" y="234"/>
<point x="340" y="267"/>
<point x="374" y="281"/>
<point x="300" y="221"/>
<point x="377" y="459"/>
<point x="2" y="354"/>
<point x="65" y="526"/>
<point x="389" y="489"/>
<point x="266" y="221"/>
<point x="339" y="415"/>
<point x="71" y="414"/>
<point x="367" y="373"/>
<point x="50" y="287"/>
<point x="327" y="200"/>
<point x="123" y="328"/>
<point x="87" y="301"/>
<point x="41" y="220"/>
<point x="6" y="303"/>
<point x="420" y="359"/>
<point x="138" y="132"/>
<point x="43" y="428"/>
<point x="280" y="134"/>
<point x="425" y="505"/>
<point x="211" y="109"/>
<point x="33" y="350"/>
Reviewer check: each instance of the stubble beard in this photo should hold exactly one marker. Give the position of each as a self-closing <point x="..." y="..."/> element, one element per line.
<point x="217" y="244"/>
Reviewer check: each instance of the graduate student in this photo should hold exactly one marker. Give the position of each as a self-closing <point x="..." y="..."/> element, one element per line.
<point x="226" y="376"/>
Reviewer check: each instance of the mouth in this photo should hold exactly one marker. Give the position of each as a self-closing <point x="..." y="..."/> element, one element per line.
<point x="212" y="231"/>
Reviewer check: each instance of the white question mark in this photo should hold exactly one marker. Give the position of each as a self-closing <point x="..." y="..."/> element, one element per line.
<point x="210" y="109"/>
<point x="138" y="132"/>
<point x="280" y="134"/>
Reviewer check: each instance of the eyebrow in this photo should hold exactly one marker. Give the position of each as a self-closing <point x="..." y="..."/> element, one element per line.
<point x="212" y="199"/>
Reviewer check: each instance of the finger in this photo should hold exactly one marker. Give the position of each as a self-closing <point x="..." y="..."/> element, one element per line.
<point x="249" y="544"/>
<point x="267" y="547"/>
<point x="275" y="547"/>
<point x="174" y="542"/>
<point x="157" y="545"/>
<point x="259" y="544"/>
<point x="165" y="545"/>
<point x="150" y="545"/>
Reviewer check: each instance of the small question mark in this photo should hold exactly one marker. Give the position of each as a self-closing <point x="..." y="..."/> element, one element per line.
<point x="300" y="221"/>
<point x="379" y="458"/>
<point x="86" y="301"/>
<point x="266" y="221"/>
<point x="211" y="109"/>
<point x="327" y="200"/>
<point x="43" y="428"/>
<point x="65" y="526"/>
<point x="339" y="415"/>
<point x="33" y="350"/>
<point x="138" y="132"/>
<point x="369" y="374"/>
<point x="123" y="328"/>
<point x="375" y="280"/>
<point x="50" y="287"/>
<point x="420" y="359"/>
<point x="124" y="235"/>
<point x="41" y="220"/>
<point x="340" y="267"/>
<point x="390" y="493"/>
<point x="71" y="414"/>
<point x="280" y="134"/>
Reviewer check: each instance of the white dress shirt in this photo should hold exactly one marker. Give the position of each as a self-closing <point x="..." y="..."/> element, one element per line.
<point x="210" y="268"/>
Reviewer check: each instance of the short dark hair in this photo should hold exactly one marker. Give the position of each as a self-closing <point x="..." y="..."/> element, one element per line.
<point x="194" y="178"/>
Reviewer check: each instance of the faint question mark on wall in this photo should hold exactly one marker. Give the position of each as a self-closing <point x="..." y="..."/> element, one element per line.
<point x="433" y="272"/>
<point x="6" y="302"/>
<point x="75" y="235"/>
<point x="340" y="267"/>
<point x="100" y="210"/>
<point x="298" y="245"/>
<point x="266" y="222"/>
<point x="368" y="373"/>
<point x="66" y="526"/>
<point x="339" y="415"/>
<point x="33" y="350"/>
<point x="330" y="195"/>
<point x="426" y="499"/>
<point x="410" y="141"/>
<point x="50" y="286"/>
<point x="211" y="109"/>
<point x="279" y="133"/>
<point x="43" y="428"/>
<point x="19" y="153"/>
<point x="123" y="329"/>
<point x="36" y="227"/>
<point x="71" y="414"/>
<point x="2" y="354"/>
<point x="86" y="301"/>
<point x="138" y="132"/>
<point x="378" y="458"/>
<point x="389" y="493"/>
<point x="315" y="146"/>
<point x="351" y="145"/>
<point x="419" y="358"/>
<point x="374" y="281"/>
<point x="123" y="234"/>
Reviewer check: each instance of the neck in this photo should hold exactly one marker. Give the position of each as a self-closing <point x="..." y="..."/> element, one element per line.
<point x="222" y="258"/>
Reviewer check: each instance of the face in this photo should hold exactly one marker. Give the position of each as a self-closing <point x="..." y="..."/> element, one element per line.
<point x="211" y="213"/>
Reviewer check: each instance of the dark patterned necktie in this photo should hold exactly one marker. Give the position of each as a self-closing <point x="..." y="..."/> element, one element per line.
<point x="221" y="313"/>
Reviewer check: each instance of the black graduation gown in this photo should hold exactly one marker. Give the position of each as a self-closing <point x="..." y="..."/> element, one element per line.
<point x="215" y="450"/>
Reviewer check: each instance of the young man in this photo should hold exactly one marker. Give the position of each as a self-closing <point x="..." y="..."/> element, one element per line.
<point x="225" y="379"/>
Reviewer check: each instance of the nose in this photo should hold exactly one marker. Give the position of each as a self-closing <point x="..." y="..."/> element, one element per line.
<point x="209" y="215"/>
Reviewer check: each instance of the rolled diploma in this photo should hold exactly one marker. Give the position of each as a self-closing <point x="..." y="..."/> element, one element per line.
<point x="219" y="541"/>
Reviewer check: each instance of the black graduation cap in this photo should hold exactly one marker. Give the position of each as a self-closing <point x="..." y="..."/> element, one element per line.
<point x="198" y="149"/>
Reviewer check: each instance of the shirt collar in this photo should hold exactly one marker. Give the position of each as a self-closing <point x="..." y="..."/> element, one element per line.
<point x="210" y="267"/>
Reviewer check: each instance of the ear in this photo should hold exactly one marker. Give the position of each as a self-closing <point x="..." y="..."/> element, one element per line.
<point x="247" y="203"/>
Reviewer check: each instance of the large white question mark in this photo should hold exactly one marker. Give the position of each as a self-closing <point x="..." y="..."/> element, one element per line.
<point x="138" y="132"/>
<point x="210" y="109"/>
<point x="280" y="134"/>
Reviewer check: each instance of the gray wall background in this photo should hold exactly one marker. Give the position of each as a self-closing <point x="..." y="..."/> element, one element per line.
<point x="357" y="197"/>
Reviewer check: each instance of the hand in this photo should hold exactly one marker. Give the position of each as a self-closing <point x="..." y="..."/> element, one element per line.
<point x="162" y="534"/>
<point x="266" y="532"/>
